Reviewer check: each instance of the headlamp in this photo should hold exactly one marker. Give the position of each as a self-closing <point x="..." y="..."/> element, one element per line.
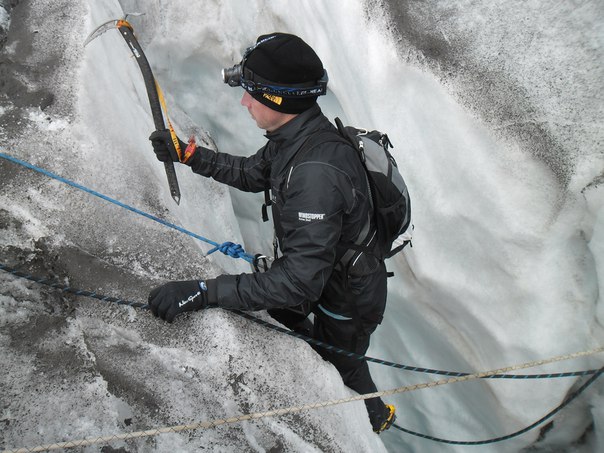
<point x="239" y="75"/>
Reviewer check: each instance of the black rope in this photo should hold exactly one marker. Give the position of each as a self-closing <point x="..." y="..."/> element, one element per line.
<point x="309" y="340"/>
<point x="595" y="373"/>
<point x="78" y="292"/>
<point x="565" y="403"/>
<point x="401" y="366"/>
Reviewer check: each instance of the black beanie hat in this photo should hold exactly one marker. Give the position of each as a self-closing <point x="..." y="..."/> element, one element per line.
<point x="287" y="59"/>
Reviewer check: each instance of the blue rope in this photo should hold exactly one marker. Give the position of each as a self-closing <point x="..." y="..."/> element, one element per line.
<point x="227" y="247"/>
<point x="291" y="333"/>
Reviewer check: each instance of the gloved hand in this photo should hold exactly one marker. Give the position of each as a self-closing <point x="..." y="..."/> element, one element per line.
<point x="163" y="146"/>
<point x="173" y="298"/>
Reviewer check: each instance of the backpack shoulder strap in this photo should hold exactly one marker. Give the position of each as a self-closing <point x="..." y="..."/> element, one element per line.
<point x="315" y="140"/>
<point x="349" y="134"/>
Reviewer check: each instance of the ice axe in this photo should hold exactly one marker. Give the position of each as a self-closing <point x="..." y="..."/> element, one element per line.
<point x="156" y="99"/>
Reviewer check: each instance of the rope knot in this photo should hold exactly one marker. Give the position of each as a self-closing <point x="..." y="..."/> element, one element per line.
<point x="230" y="249"/>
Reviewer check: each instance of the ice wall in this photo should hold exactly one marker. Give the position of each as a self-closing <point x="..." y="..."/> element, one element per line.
<point x="493" y="109"/>
<point x="501" y="160"/>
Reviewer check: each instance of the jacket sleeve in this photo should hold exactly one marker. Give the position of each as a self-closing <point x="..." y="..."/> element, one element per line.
<point x="318" y="197"/>
<point x="250" y="174"/>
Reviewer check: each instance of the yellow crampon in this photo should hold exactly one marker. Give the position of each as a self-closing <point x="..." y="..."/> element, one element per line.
<point x="389" y="420"/>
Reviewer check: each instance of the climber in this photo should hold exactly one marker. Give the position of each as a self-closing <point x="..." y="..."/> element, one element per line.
<point x="320" y="204"/>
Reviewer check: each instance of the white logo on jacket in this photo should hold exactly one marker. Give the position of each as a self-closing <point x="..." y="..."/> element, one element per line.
<point x="309" y="216"/>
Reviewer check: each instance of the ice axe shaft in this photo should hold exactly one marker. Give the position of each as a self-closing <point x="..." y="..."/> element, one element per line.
<point x="127" y="33"/>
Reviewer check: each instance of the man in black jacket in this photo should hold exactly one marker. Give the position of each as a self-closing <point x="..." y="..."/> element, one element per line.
<point x="320" y="207"/>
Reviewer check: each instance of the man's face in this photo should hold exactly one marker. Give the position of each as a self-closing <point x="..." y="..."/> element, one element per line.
<point x="266" y="118"/>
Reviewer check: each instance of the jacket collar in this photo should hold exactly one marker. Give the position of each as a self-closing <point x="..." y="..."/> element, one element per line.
<point x="297" y="127"/>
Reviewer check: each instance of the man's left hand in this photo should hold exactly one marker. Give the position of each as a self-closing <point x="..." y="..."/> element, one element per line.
<point x="173" y="298"/>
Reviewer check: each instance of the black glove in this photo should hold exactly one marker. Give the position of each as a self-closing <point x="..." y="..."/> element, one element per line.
<point x="173" y="298"/>
<point x="163" y="146"/>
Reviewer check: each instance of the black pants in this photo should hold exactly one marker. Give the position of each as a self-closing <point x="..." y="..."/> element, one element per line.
<point x="351" y="335"/>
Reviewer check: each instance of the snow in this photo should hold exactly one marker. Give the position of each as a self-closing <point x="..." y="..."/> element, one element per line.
<point x="507" y="257"/>
<point x="4" y="18"/>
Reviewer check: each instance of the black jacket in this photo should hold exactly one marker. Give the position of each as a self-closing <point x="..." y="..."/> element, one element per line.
<point x="319" y="204"/>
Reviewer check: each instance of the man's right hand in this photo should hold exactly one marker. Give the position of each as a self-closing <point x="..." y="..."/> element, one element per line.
<point x="173" y="298"/>
<point x="163" y="146"/>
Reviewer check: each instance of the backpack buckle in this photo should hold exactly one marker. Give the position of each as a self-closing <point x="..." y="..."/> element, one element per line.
<point x="361" y="149"/>
<point x="385" y="142"/>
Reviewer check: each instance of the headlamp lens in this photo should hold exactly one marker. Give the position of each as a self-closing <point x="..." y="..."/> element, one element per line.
<point x="232" y="75"/>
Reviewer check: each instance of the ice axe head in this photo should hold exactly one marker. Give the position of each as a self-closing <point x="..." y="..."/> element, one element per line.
<point x="114" y="23"/>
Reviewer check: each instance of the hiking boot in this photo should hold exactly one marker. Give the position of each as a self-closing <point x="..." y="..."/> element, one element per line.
<point x="388" y="421"/>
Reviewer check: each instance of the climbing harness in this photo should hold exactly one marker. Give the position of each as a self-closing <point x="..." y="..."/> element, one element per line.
<point x="156" y="99"/>
<point x="233" y="250"/>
